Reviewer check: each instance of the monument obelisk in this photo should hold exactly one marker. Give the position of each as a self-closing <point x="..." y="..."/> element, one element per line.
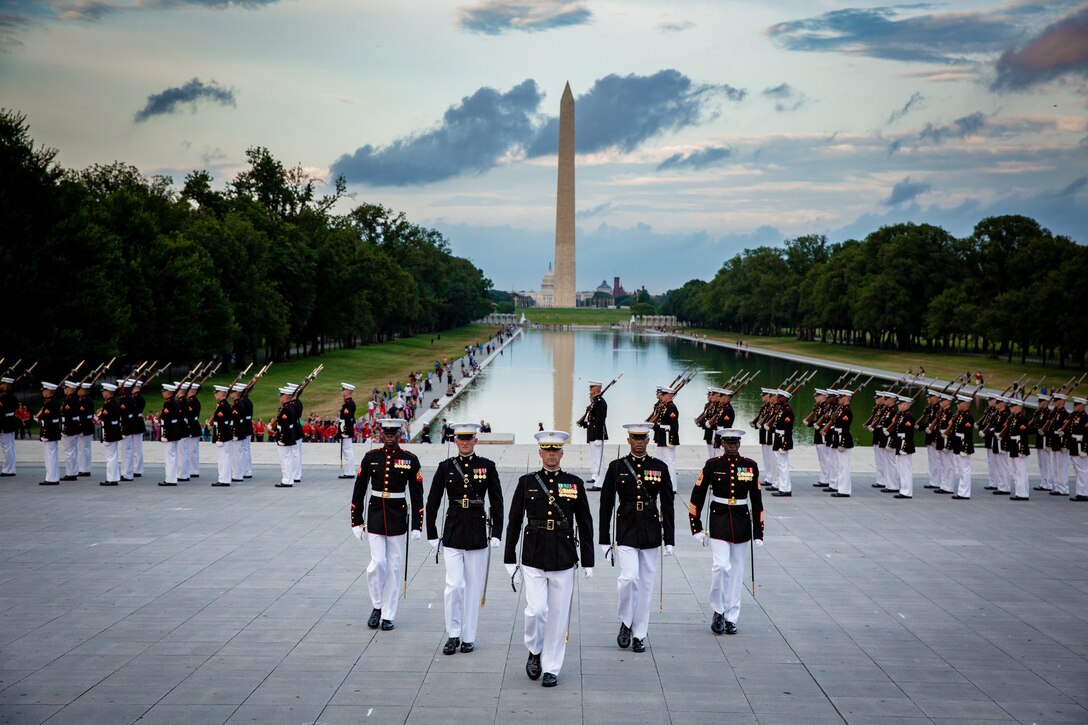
<point x="564" y="205"/>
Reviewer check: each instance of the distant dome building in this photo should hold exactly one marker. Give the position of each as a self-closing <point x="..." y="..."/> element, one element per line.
<point x="547" y="289"/>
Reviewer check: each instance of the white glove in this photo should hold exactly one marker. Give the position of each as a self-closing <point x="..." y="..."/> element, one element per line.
<point x="701" y="537"/>
<point x="219" y="444"/>
<point x="358" y="531"/>
<point x="434" y="543"/>
<point x="668" y="549"/>
<point x="589" y="572"/>
<point x="494" y="543"/>
<point x="759" y="543"/>
<point x="416" y="534"/>
<point x="605" y="548"/>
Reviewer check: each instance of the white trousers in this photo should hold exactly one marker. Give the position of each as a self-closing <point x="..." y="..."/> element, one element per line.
<point x="547" y="607"/>
<point x="782" y="472"/>
<point x="382" y="574"/>
<point x="223" y="450"/>
<point x="85" y="453"/>
<point x="712" y="452"/>
<point x="1002" y="461"/>
<point x="347" y="455"/>
<point x="768" y="463"/>
<point x="52" y="462"/>
<point x="247" y="457"/>
<point x="831" y="458"/>
<point x="296" y="456"/>
<point x="1045" y="457"/>
<point x="237" y="460"/>
<point x="963" y="464"/>
<point x="906" y="474"/>
<point x="287" y="462"/>
<point x="596" y="462"/>
<point x="128" y="456"/>
<point x="69" y="446"/>
<point x="1080" y="472"/>
<point x="935" y="470"/>
<point x="194" y="457"/>
<point x="138" y="454"/>
<point x="878" y="466"/>
<point x="7" y="446"/>
<point x="638" y="567"/>
<point x="668" y="456"/>
<point x="170" y="460"/>
<point x="464" y="585"/>
<point x="113" y="467"/>
<point x="991" y="468"/>
<point x="948" y="470"/>
<point x="1019" y="468"/>
<point x="727" y="577"/>
<point x="843" y="480"/>
<point x="1060" y="471"/>
<point x="821" y="461"/>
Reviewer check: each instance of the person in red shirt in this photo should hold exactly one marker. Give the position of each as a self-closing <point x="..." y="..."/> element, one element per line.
<point x="258" y="429"/>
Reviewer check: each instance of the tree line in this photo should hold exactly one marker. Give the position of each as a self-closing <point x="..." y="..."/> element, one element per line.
<point x="106" y="261"/>
<point x="1010" y="288"/>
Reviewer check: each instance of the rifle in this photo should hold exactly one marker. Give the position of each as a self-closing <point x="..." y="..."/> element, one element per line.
<point x="788" y="380"/>
<point x="744" y="381"/>
<point x="146" y="372"/>
<point x="73" y="371"/>
<point x="102" y="371"/>
<point x="207" y="374"/>
<point x="582" y="421"/>
<point x="154" y="374"/>
<point x="734" y="378"/>
<point x="189" y="377"/>
<point x="26" y="372"/>
<point x="307" y="380"/>
<point x="260" y="374"/>
<point x="680" y="376"/>
<point x="239" y="376"/>
<point x="803" y="381"/>
<point x="11" y="368"/>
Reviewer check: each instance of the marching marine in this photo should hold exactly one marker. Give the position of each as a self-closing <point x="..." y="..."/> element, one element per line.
<point x="112" y="418"/>
<point x="666" y="420"/>
<point x="173" y="433"/>
<point x="345" y="431"/>
<point x="468" y="533"/>
<point x="49" y="419"/>
<point x="643" y="521"/>
<point x="285" y="438"/>
<point x="9" y="424"/>
<point x="962" y="442"/>
<point x="901" y="442"/>
<point x="731" y="482"/>
<point x="223" y="435"/>
<point x="393" y="476"/>
<point x="782" y="428"/>
<point x="1015" y="443"/>
<point x="1075" y="431"/>
<point x="553" y="506"/>
<point x="596" y="434"/>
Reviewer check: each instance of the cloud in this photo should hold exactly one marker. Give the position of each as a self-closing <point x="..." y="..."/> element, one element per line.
<point x="494" y="17"/>
<point x="696" y="159"/>
<point x="622" y="112"/>
<point x="169" y="101"/>
<point x="905" y="191"/>
<point x="593" y="211"/>
<point x="889" y="33"/>
<point x="934" y="135"/>
<point x="475" y="135"/>
<point x="786" y="97"/>
<point x="1074" y="188"/>
<point x="1060" y="49"/>
<point x="472" y="137"/>
<point x="913" y="103"/>
<point x="675" y="27"/>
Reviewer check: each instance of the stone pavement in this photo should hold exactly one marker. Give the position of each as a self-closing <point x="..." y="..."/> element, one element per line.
<point x="247" y="604"/>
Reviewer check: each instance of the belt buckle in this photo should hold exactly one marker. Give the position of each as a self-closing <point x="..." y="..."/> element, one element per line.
<point x="550" y="525"/>
<point x="732" y="502"/>
<point x="639" y="505"/>
<point x="464" y="502"/>
<point x="385" y="494"/>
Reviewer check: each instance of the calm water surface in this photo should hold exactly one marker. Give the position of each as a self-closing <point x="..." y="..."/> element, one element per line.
<point x="543" y="378"/>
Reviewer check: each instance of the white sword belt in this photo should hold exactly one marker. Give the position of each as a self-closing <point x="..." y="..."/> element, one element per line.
<point x="730" y="501"/>
<point x="387" y="494"/>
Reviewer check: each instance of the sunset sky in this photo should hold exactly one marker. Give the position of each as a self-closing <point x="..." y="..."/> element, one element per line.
<point x="703" y="126"/>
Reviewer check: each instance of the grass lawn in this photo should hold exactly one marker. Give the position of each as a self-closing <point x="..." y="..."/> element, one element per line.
<point x="369" y="367"/>
<point x="997" y="373"/>
<point x="574" y="316"/>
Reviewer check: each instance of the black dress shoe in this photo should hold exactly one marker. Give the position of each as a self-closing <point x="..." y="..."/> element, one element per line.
<point x="345" y="476"/>
<point x="236" y="480"/>
<point x="877" y="485"/>
<point x="990" y="488"/>
<point x="1078" y="498"/>
<point x="930" y="485"/>
<point x="717" y="624"/>
<point x="137" y="475"/>
<point x="48" y="483"/>
<point x="623" y="639"/>
<point x="957" y="497"/>
<point x="730" y="627"/>
<point x="899" y="495"/>
<point x="1039" y="488"/>
<point x="298" y="480"/>
<point x="1056" y="493"/>
<point x="247" y="476"/>
<point x="532" y="667"/>
<point x="375" y="619"/>
<point x="69" y="478"/>
<point x="8" y="475"/>
<point x="821" y="485"/>
<point x="782" y="493"/>
<point x="127" y="479"/>
<point x="387" y="625"/>
<point x="941" y="490"/>
<point x="769" y="486"/>
<point x="166" y="483"/>
<point x="195" y="475"/>
<point x="451" y="645"/>
<point x="467" y="647"/>
<point x="285" y="485"/>
<point x="549" y="680"/>
<point x="638" y="645"/>
<point x="1018" y="498"/>
<point x="84" y="473"/>
<point x="107" y="483"/>
<point x="1001" y="493"/>
<point x="220" y="483"/>
<point x="840" y="495"/>
<point x="181" y="480"/>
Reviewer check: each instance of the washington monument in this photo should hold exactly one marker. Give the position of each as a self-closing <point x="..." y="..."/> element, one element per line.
<point x="564" y="205"/>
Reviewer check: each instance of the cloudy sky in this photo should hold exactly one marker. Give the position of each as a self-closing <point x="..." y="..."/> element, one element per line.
<point x="703" y="126"/>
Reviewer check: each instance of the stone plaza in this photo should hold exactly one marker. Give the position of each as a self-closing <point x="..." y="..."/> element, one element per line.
<point x="248" y="604"/>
